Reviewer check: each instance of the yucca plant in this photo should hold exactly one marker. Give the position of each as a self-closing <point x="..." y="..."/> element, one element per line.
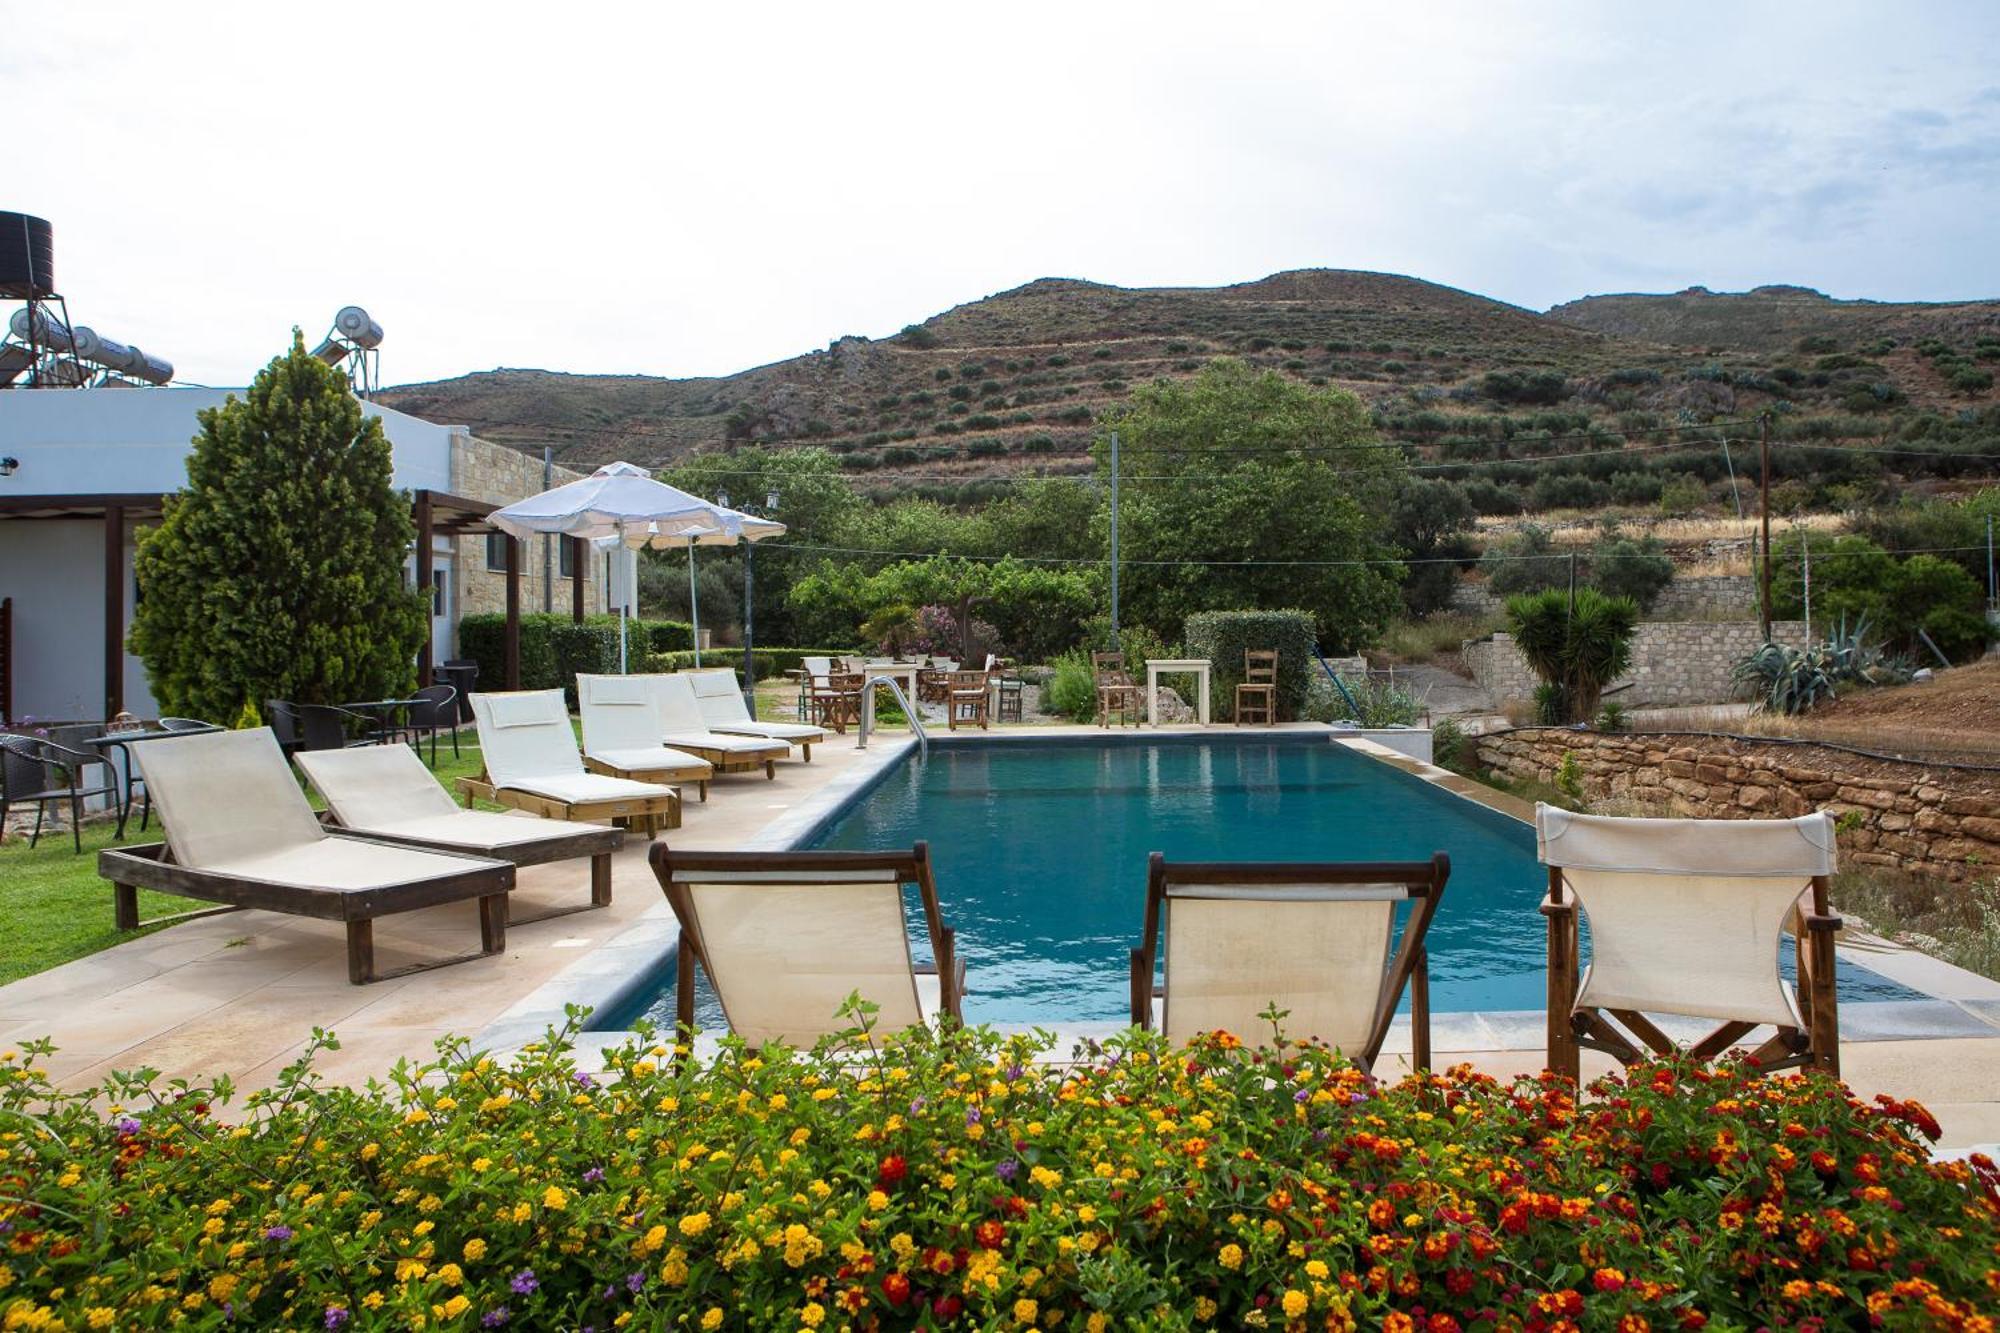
<point x="1578" y="646"/>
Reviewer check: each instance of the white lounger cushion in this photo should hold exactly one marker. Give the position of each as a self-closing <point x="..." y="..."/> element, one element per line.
<point x="529" y="747"/>
<point x="1322" y="954"/>
<point x="657" y="759"/>
<point x="681" y="722"/>
<point x="386" y="789"/>
<point x="721" y="703"/>
<point x="1687" y="915"/>
<point x="231" y="805"/>
<point x="343" y="863"/>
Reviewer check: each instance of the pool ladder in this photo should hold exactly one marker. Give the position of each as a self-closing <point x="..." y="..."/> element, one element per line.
<point x="909" y="711"/>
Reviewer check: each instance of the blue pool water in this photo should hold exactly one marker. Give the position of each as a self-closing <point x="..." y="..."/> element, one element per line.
<point x="1040" y="857"/>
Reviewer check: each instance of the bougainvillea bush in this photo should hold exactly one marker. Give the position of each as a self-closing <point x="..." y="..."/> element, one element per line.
<point x="958" y="1181"/>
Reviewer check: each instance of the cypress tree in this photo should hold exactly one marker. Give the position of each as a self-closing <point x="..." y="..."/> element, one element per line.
<point x="278" y="571"/>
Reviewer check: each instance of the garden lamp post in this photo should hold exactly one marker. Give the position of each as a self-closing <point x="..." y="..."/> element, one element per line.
<point x="770" y="507"/>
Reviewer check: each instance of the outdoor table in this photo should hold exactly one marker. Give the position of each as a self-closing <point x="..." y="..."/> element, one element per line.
<point x="114" y="746"/>
<point x="1196" y="666"/>
<point x="382" y="710"/>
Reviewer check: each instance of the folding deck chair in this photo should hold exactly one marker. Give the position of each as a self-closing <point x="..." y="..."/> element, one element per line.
<point x="386" y="793"/>
<point x="786" y="937"/>
<point x="1314" y="939"/>
<point x="1686" y="918"/>
<point x="239" y="832"/>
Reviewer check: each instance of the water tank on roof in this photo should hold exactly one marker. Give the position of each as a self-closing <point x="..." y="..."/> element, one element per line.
<point x="145" y="366"/>
<point x="27" y="257"/>
<point x="355" y="325"/>
<point x="30" y="324"/>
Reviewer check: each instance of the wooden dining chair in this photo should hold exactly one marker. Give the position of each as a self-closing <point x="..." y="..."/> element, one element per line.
<point x="1257" y="696"/>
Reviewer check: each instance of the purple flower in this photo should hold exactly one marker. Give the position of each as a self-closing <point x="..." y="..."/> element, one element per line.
<point x="336" y="1316"/>
<point x="972" y="1115"/>
<point x="594" y="1175"/>
<point x="585" y="1081"/>
<point x="1005" y="1170"/>
<point x="917" y="1105"/>
<point x="125" y="1124"/>
<point x="1356" y="1098"/>
<point x="494" y="1318"/>
<point x="1302" y="1096"/>
<point x="1014" y="1072"/>
<point x="280" y="1233"/>
<point x="634" y="1281"/>
<point x="1322" y="1135"/>
<point x="524" y="1282"/>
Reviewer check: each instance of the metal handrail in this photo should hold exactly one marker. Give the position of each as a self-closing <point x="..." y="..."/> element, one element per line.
<point x="1338" y="684"/>
<point x="909" y="711"/>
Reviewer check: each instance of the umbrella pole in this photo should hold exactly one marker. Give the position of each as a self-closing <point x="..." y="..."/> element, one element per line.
<point x="622" y="668"/>
<point x="694" y="607"/>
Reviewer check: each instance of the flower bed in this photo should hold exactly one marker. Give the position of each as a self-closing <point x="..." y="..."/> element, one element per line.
<point x="954" y="1181"/>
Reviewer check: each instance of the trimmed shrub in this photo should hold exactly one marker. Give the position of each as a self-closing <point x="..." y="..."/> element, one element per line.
<point x="1219" y="1185"/>
<point x="653" y="636"/>
<point x="1223" y="636"/>
<point x="1072" y="691"/>
<point x="553" y="650"/>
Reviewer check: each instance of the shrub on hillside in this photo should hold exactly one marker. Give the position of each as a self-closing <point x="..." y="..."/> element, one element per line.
<point x="959" y="1181"/>
<point x="1524" y="562"/>
<point x="1638" y="568"/>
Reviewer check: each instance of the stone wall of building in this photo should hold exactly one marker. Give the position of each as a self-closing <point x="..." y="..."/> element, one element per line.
<point x="1921" y="818"/>
<point x="1673" y="662"/>
<point x="1706" y="597"/>
<point x="482" y="470"/>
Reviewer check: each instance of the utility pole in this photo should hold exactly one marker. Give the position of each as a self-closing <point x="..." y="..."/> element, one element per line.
<point x="1764" y="505"/>
<point x="1805" y="564"/>
<point x="1572" y="585"/>
<point x="1114" y="540"/>
<point x="1992" y="591"/>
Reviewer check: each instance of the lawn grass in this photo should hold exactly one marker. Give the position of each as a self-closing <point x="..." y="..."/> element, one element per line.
<point x="54" y="908"/>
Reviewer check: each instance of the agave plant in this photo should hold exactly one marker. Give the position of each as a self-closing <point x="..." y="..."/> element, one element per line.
<point x="1794" y="680"/>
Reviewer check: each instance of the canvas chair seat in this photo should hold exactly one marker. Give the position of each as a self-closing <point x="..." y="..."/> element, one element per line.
<point x="343" y="864"/>
<point x="786" y="937"/>
<point x="1240" y="938"/>
<point x="678" y="764"/>
<point x="1687" y="917"/>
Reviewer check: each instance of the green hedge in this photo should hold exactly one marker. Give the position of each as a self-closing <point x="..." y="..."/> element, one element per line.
<point x="555" y="648"/>
<point x="651" y="636"/>
<point x="769" y="661"/>
<point x="1223" y="636"/>
<point x="957" y="1181"/>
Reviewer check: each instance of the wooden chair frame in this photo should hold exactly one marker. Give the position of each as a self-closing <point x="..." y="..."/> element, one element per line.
<point x="914" y="866"/>
<point x="835" y="699"/>
<point x="651" y="813"/>
<point x="151" y="867"/>
<point x="1117" y="692"/>
<point x="967" y="698"/>
<point x="1813" y="1045"/>
<point x="1260" y="683"/>
<point x="677" y="776"/>
<point x="596" y="843"/>
<point x="1423" y="881"/>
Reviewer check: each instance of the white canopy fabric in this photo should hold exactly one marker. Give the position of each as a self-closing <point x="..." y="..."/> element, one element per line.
<point x="621" y="504"/>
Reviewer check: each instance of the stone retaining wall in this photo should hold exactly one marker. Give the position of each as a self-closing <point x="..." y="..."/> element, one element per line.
<point x="1916" y="817"/>
<point x="1673" y="662"/>
<point x="1705" y="597"/>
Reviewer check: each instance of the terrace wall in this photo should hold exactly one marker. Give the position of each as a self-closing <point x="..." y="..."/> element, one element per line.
<point x="1921" y="818"/>
<point x="1704" y="597"/>
<point x="1673" y="662"/>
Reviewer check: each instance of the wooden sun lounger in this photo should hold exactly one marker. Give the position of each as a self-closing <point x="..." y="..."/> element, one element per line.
<point x="532" y="764"/>
<point x="385" y="793"/>
<point x="684" y="728"/>
<point x="717" y="693"/>
<point x="621" y="734"/>
<point x="239" y="833"/>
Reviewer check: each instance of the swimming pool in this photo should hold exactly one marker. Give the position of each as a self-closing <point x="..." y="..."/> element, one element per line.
<point x="1040" y="856"/>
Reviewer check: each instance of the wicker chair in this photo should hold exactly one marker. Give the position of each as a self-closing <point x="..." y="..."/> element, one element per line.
<point x="27" y="767"/>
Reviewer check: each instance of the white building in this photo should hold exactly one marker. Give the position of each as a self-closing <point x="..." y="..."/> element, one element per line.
<point x="81" y="469"/>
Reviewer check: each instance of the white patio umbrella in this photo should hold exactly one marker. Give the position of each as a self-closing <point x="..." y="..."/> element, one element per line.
<point x="621" y="503"/>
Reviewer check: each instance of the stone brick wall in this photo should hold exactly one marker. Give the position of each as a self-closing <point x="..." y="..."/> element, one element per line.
<point x="1706" y="597"/>
<point x="1673" y="662"/>
<point x="1920" y="818"/>
<point x="482" y="470"/>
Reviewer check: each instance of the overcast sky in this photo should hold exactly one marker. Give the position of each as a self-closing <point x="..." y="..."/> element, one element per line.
<point x="684" y="189"/>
